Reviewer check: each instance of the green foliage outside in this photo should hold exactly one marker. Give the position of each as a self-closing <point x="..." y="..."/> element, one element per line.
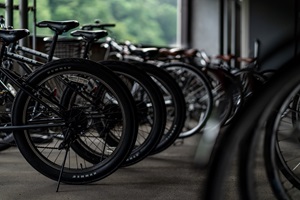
<point x="150" y="22"/>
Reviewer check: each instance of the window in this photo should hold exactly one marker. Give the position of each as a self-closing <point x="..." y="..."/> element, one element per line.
<point x="148" y="22"/>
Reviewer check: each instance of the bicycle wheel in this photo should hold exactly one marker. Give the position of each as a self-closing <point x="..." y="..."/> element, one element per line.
<point x="101" y="98"/>
<point x="244" y="134"/>
<point x="151" y="114"/>
<point x="226" y="93"/>
<point x="197" y="92"/>
<point x="280" y="140"/>
<point x="150" y="107"/>
<point x="245" y="82"/>
<point x="174" y="101"/>
<point x="250" y="81"/>
<point x="282" y="136"/>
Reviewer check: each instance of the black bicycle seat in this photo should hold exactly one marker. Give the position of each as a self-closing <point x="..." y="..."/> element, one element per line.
<point x="97" y="26"/>
<point x="12" y="35"/>
<point x="59" y="26"/>
<point x="89" y="35"/>
<point x="145" y="52"/>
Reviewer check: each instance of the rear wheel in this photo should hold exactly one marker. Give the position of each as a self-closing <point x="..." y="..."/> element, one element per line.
<point x="174" y="102"/>
<point x="243" y="137"/>
<point x="151" y="108"/>
<point x="282" y="136"/>
<point x="95" y="89"/>
<point x="196" y="89"/>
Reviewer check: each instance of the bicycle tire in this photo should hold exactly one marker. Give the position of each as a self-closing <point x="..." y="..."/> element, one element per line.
<point x="197" y="92"/>
<point x="278" y="90"/>
<point x="174" y="101"/>
<point x="243" y="136"/>
<point x="84" y="74"/>
<point x="157" y="122"/>
<point x="281" y="136"/>
<point x="151" y="111"/>
<point x="226" y="93"/>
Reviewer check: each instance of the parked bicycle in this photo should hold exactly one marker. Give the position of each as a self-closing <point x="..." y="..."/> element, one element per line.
<point x="173" y="97"/>
<point x="264" y="138"/>
<point x="193" y="83"/>
<point x="84" y="104"/>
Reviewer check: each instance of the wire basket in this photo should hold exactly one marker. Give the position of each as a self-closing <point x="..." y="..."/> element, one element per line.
<point x="65" y="47"/>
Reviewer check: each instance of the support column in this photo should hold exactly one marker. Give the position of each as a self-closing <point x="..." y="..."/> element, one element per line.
<point x="23" y="10"/>
<point x="183" y="18"/>
<point x="245" y="48"/>
<point x="9" y="13"/>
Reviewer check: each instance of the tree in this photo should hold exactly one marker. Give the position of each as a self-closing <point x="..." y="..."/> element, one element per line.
<point x="152" y="22"/>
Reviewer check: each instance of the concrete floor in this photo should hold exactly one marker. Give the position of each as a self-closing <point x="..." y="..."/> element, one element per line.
<point x="171" y="174"/>
<point x="168" y="175"/>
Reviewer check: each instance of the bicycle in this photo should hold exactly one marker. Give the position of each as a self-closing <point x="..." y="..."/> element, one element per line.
<point x="214" y="78"/>
<point x="173" y="97"/>
<point x="220" y="74"/>
<point x="28" y="66"/>
<point x="71" y="98"/>
<point x="149" y="102"/>
<point x="193" y="83"/>
<point x="261" y="120"/>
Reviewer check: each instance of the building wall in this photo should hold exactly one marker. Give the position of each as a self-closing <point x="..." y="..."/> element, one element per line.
<point x="273" y="23"/>
<point x="205" y="25"/>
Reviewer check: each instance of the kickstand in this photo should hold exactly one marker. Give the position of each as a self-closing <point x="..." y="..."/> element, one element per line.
<point x="62" y="167"/>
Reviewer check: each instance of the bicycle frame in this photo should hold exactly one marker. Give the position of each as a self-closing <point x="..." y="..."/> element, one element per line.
<point x="21" y="83"/>
<point x="35" y="52"/>
<point x="36" y="94"/>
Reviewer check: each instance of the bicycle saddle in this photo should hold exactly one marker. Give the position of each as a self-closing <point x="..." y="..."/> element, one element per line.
<point x="246" y="60"/>
<point x="190" y="52"/>
<point x="150" y="52"/>
<point x="59" y="26"/>
<point x="171" y="52"/>
<point x="226" y="58"/>
<point x="98" y="26"/>
<point x="89" y="35"/>
<point x="12" y="35"/>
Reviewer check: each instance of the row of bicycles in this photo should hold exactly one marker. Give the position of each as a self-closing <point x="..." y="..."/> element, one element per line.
<point x="99" y="116"/>
<point x="77" y="121"/>
<point x="252" y="125"/>
<point x="262" y="144"/>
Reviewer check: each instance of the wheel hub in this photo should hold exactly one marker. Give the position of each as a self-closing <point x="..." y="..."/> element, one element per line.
<point x="77" y="120"/>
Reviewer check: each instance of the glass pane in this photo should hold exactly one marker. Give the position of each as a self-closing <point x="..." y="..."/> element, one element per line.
<point x="148" y="22"/>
